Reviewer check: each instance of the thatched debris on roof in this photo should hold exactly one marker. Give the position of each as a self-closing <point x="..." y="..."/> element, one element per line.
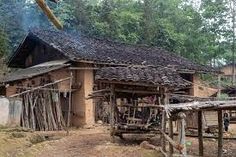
<point x="82" y="48"/>
<point x="205" y="105"/>
<point x="141" y="75"/>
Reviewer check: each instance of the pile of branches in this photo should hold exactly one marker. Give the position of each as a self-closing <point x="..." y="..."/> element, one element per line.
<point x="41" y="110"/>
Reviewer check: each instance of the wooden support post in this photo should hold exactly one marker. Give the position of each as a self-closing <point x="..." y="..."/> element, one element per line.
<point x="182" y="133"/>
<point x="171" y="135"/>
<point x="163" y="123"/>
<point x="200" y="133"/>
<point x="163" y="127"/>
<point x="220" y="134"/>
<point x="112" y="110"/>
<point x="219" y="86"/>
<point x="70" y="101"/>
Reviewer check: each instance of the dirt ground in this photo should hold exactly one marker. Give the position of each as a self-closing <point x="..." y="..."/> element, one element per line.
<point x="93" y="142"/>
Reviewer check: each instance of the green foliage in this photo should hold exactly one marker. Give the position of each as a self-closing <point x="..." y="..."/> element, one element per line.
<point x="202" y="33"/>
<point x="4" y="45"/>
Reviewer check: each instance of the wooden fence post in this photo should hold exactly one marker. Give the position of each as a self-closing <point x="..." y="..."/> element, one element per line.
<point x="182" y="140"/>
<point x="200" y="133"/>
<point x="220" y="133"/>
<point x="112" y="110"/>
<point x="171" y="135"/>
<point x="70" y="101"/>
<point x="164" y="101"/>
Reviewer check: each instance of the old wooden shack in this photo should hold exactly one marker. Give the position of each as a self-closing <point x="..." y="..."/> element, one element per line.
<point x="141" y="90"/>
<point x="57" y="68"/>
<point x="177" y="112"/>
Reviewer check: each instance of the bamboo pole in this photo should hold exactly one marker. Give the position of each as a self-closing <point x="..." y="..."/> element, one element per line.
<point x="49" y="13"/>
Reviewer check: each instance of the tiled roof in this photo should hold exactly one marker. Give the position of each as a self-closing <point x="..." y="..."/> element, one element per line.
<point x="79" y="47"/>
<point x="141" y="75"/>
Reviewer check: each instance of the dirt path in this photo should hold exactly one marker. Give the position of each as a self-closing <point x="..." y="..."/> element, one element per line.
<point x="93" y="143"/>
<point x="96" y="143"/>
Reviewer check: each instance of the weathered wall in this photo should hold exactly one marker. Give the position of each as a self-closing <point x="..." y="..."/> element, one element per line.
<point x="4" y="111"/>
<point x="39" y="80"/>
<point x="227" y="70"/>
<point x="201" y="90"/>
<point x="42" y="53"/>
<point x="84" y="110"/>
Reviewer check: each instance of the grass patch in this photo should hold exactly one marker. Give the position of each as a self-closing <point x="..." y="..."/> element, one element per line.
<point x="18" y="134"/>
<point x="37" y="138"/>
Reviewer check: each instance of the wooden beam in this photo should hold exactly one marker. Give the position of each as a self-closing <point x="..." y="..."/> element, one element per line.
<point x="137" y="91"/>
<point x="129" y="83"/>
<point x="83" y="68"/>
<point x="220" y="134"/>
<point x="200" y="133"/>
<point x="39" y="87"/>
<point x="101" y="91"/>
<point x="42" y="4"/>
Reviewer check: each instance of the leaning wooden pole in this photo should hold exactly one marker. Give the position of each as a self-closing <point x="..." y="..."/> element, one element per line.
<point x="173" y="143"/>
<point x="200" y="133"/>
<point x="42" y="4"/>
<point x="220" y="132"/>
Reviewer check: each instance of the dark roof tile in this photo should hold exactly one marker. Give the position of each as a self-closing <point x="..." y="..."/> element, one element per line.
<point x="141" y="75"/>
<point x="79" y="47"/>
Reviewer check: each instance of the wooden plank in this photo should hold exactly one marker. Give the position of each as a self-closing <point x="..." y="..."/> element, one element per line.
<point x="220" y="134"/>
<point x="200" y="133"/>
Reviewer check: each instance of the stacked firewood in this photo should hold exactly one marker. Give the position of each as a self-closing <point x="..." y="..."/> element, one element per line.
<point x="42" y="110"/>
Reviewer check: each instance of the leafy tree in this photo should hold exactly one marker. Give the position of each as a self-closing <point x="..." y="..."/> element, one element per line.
<point x="4" y="45"/>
